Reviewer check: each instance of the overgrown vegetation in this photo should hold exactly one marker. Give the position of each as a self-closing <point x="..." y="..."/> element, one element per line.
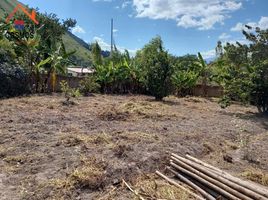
<point x="152" y="71"/>
<point x="69" y="93"/>
<point x="242" y="70"/>
<point x="39" y="51"/>
<point x="89" y="85"/>
<point x="32" y="58"/>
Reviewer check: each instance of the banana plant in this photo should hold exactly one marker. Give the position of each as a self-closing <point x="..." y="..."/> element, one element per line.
<point x="57" y="62"/>
<point x="104" y="75"/>
<point x="203" y="72"/>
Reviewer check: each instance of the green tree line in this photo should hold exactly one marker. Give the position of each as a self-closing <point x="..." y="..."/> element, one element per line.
<point x="152" y="71"/>
<point x="29" y="55"/>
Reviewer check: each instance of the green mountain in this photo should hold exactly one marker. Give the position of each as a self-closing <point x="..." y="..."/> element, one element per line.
<point x="6" y="6"/>
<point x="72" y="42"/>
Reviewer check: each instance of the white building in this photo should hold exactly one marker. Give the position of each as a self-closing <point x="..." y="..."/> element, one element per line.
<point x="79" y="71"/>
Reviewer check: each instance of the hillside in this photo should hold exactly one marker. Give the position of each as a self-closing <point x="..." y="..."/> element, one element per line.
<point x="6" y="6"/>
<point x="82" y="55"/>
<point x="72" y="42"/>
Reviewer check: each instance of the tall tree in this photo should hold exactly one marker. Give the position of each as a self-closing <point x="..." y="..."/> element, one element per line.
<point x="156" y="62"/>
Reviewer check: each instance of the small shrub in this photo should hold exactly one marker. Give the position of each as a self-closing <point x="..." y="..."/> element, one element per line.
<point x="89" y="85"/>
<point x="69" y="92"/>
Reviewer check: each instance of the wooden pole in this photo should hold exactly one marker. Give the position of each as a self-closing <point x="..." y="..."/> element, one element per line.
<point x="215" y="176"/>
<point x="191" y="184"/>
<point x="246" y="184"/>
<point x="204" y="180"/>
<point x="112" y="36"/>
<point x="172" y="182"/>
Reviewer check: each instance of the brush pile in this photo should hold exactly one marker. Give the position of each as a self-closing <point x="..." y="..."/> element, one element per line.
<point x="211" y="182"/>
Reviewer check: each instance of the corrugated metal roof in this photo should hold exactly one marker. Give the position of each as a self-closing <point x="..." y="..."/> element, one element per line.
<point x="80" y="70"/>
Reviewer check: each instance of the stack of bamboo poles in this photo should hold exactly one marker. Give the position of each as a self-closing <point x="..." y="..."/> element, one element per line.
<point x="211" y="182"/>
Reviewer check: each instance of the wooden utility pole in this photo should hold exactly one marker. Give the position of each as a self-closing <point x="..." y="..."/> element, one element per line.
<point x="112" y="36"/>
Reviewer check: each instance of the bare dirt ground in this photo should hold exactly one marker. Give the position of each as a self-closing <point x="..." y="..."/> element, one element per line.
<point x="52" y="151"/>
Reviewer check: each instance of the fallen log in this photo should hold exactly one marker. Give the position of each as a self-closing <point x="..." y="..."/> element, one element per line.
<point x="216" y="186"/>
<point x="246" y="184"/>
<point x="221" y="179"/>
<point x="172" y="182"/>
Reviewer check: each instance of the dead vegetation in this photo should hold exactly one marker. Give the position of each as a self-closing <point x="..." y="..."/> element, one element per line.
<point x="112" y="113"/>
<point x="256" y="175"/>
<point x="50" y="151"/>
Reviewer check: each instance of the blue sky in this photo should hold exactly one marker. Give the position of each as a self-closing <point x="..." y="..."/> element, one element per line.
<point x="186" y="26"/>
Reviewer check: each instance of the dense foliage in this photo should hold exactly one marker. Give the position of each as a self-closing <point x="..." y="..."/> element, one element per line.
<point x="13" y="78"/>
<point x="155" y="62"/>
<point x="38" y="50"/>
<point x="189" y="70"/>
<point x="89" y="85"/>
<point x="152" y="71"/>
<point x="242" y="70"/>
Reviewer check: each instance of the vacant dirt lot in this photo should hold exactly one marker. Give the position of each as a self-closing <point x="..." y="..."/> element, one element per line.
<point x="52" y="151"/>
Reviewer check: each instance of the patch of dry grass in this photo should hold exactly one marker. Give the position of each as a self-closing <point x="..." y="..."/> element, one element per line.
<point x="155" y="188"/>
<point x="256" y="176"/>
<point x="114" y="114"/>
<point x="146" y="186"/>
<point x="3" y="152"/>
<point x="134" y="137"/>
<point x="90" y="174"/>
<point x="120" y="150"/>
<point x="153" y="110"/>
<point x="72" y="139"/>
<point x="13" y="160"/>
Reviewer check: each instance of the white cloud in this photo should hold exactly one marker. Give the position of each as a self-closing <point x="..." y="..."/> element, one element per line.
<point x="125" y="4"/>
<point x="209" y="54"/>
<point x="78" y="29"/>
<point x="224" y="36"/>
<point x="104" y="46"/>
<point x="115" y="30"/>
<point x="262" y="24"/>
<point x="201" y="14"/>
<point x="238" y="27"/>
<point x="107" y="47"/>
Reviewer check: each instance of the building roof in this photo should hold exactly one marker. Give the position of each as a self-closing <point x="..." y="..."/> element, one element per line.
<point x="80" y="70"/>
